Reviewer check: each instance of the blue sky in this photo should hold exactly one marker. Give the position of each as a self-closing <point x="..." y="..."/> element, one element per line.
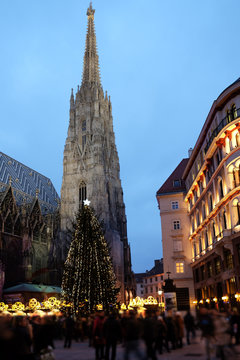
<point x="162" y="62"/>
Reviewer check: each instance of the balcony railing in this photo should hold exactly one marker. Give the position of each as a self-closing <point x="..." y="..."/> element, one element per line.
<point x="227" y="120"/>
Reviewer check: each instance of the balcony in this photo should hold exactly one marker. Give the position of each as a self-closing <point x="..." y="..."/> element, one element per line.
<point x="227" y="120"/>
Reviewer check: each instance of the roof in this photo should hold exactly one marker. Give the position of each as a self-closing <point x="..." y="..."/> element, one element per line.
<point x="26" y="181"/>
<point x="168" y="186"/>
<point x="157" y="269"/>
<point x="20" y="288"/>
<point x="139" y="277"/>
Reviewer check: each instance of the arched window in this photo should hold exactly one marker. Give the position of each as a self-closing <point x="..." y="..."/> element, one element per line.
<point x="206" y="240"/>
<point x="220" y="189"/>
<point x="224" y="220"/>
<point x="210" y="203"/>
<point x="17" y="227"/>
<point x="229" y="116"/>
<point x="236" y="204"/>
<point x="194" y="250"/>
<point x="82" y="194"/>
<point x="203" y="211"/>
<point x="8" y="225"/>
<point x="233" y="112"/>
<point x="214" y="231"/>
<point x="200" y="245"/>
<point x="197" y="218"/>
<point x="36" y="233"/>
<point x="44" y="235"/>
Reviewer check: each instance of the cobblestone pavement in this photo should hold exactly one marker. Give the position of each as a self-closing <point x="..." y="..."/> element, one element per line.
<point x="81" y="351"/>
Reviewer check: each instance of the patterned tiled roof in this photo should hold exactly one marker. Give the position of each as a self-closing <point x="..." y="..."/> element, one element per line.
<point x="25" y="182"/>
<point x="169" y="186"/>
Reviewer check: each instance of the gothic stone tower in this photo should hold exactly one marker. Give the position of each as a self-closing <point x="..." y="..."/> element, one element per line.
<point x="91" y="163"/>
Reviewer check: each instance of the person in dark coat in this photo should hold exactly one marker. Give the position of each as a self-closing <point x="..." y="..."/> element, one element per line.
<point x="150" y="334"/>
<point x="69" y="329"/>
<point x="161" y="335"/>
<point x="131" y="328"/>
<point x="98" y="336"/>
<point x="189" y="325"/>
<point x="23" y="338"/>
<point x="112" y="333"/>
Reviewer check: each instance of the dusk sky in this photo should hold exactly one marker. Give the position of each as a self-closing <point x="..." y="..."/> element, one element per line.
<point x="162" y="62"/>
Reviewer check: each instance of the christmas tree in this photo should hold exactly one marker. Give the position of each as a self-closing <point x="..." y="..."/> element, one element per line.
<point x="88" y="277"/>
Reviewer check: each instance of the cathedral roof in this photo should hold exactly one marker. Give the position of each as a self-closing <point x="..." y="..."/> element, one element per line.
<point x="26" y="183"/>
<point x="174" y="182"/>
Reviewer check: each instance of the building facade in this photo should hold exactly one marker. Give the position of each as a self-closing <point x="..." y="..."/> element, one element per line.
<point x="177" y="255"/>
<point x="29" y="220"/>
<point x="150" y="283"/>
<point x="91" y="164"/>
<point x="212" y="178"/>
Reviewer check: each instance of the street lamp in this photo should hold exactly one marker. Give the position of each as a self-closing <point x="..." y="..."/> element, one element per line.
<point x="160" y="292"/>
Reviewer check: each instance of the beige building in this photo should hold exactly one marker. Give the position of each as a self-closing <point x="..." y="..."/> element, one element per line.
<point x="212" y="177"/>
<point x="91" y="165"/>
<point x="177" y="253"/>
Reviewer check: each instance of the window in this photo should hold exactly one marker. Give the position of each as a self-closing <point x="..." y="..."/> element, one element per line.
<point x="176" y="224"/>
<point x="82" y="193"/>
<point x="209" y="269"/>
<point x="146" y="290"/>
<point x="84" y="125"/>
<point x="151" y="289"/>
<point x="162" y="275"/>
<point x="224" y="220"/>
<point x="145" y="281"/>
<point x="220" y="189"/>
<point x="217" y="265"/>
<point x="174" y="205"/>
<point x="198" y="219"/>
<point x="176" y="183"/>
<point x="141" y="285"/>
<point x="156" y="289"/>
<point x="83" y="141"/>
<point x="206" y="240"/>
<point x="177" y="245"/>
<point x="228" y="260"/>
<point x="179" y="267"/>
<point x="150" y="280"/>
<point x="156" y="278"/>
<point x="141" y="292"/>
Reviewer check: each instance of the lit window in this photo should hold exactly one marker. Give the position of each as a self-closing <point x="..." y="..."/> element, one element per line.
<point x="174" y="205"/>
<point x="176" y="224"/>
<point x="179" y="267"/>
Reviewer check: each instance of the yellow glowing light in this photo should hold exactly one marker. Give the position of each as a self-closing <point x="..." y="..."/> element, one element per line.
<point x="3" y="306"/>
<point x="225" y="298"/>
<point x="18" y="306"/>
<point x="201" y="301"/>
<point x="123" y="307"/>
<point x="195" y="302"/>
<point x="33" y="303"/>
<point x="215" y="299"/>
<point x="208" y="300"/>
<point x="99" y="307"/>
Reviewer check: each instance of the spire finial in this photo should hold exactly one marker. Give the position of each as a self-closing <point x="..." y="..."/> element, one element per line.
<point x="37" y="192"/>
<point x="91" y="73"/>
<point x="90" y="11"/>
<point x="10" y="180"/>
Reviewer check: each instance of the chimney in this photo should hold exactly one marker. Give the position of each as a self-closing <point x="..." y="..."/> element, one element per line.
<point x="190" y="152"/>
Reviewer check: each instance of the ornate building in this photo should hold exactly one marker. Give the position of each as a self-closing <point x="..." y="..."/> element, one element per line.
<point x="177" y="255"/>
<point x="212" y="178"/>
<point x="29" y="220"/>
<point x="91" y="163"/>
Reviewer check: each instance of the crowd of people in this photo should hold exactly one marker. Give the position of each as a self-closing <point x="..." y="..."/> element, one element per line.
<point x="32" y="337"/>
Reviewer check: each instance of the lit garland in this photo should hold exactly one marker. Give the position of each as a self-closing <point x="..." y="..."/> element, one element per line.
<point x="88" y="278"/>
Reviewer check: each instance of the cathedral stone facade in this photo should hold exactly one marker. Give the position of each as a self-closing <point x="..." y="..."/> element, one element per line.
<point x="91" y="163"/>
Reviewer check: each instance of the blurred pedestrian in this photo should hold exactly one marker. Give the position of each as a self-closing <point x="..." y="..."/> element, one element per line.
<point x="179" y="329"/>
<point x="23" y="336"/>
<point x="131" y="327"/>
<point x="207" y="327"/>
<point x="98" y="336"/>
<point x="112" y="333"/>
<point x="189" y="325"/>
<point x="161" y="339"/>
<point x="69" y="330"/>
<point x="150" y="334"/>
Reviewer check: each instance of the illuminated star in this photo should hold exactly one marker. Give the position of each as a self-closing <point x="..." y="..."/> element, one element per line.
<point x="86" y="202"/>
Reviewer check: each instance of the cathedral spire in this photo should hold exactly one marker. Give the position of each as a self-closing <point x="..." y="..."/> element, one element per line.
<point x="91" y="74"/>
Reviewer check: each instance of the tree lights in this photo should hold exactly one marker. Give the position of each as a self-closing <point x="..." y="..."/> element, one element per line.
<point x="88" y="278"/>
